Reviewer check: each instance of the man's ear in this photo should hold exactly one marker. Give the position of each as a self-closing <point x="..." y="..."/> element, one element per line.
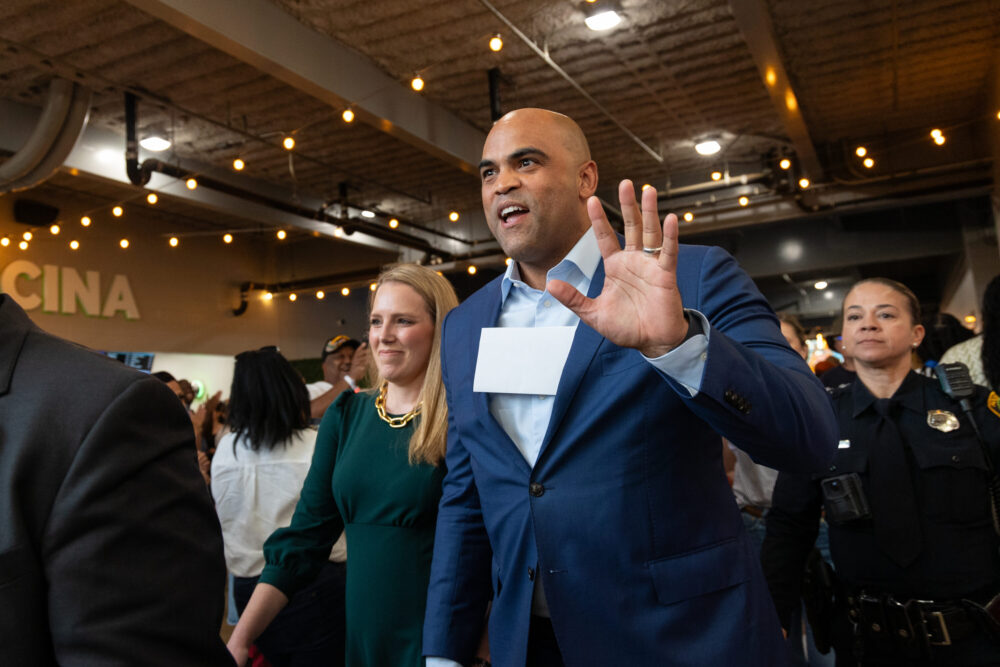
<point x="587" y="179"/>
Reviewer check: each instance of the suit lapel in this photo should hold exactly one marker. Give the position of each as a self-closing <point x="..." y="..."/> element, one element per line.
<point x="585" y="344"/>
<point x="14" y="327"/>
<point x="489" y="314"/>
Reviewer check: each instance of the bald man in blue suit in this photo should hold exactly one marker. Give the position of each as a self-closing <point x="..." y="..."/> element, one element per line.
<point x="598" y="519"/>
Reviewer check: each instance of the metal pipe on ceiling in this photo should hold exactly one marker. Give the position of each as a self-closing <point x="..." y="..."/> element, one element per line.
<point x="54" y="136"/>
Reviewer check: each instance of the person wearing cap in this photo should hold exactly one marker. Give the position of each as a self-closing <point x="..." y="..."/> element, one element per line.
<point x="345" y="362"/>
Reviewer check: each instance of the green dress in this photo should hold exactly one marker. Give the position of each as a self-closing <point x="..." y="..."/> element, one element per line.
<point x="360" y="479"/>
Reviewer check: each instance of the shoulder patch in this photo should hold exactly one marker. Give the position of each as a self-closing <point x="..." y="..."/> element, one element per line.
<point x="993" y="403"/>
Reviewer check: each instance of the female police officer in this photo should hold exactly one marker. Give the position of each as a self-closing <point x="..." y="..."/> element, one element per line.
<point x="907" y="499"/>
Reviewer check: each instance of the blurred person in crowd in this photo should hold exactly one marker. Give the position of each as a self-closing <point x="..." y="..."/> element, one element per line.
<point x="982" y="354"/>
<point x="584" y="490"/>
<point x="941" y="332"/>
<point x="345" y="362"/>
<point x="257" y="474"/>
<point x="377" y="471"/>
<point x="907" y="502"/>
<point x="110" y="553"/>
<point x="793" y="332"/>
<point x="840" y="373"/>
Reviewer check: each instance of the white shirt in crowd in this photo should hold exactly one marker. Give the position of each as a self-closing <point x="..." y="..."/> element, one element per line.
<point x="255" y="493"/>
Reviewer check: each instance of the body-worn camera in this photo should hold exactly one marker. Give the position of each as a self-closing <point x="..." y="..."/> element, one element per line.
<point x="844" y="498"/>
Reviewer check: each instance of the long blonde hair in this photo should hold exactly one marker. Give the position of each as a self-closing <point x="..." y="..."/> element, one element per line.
<point x="429" y="440"/>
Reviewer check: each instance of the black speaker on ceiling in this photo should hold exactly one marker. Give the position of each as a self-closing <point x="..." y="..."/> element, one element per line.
<point x="34" y="213"/>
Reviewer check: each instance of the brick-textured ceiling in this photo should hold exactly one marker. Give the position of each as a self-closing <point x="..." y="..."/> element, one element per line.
<point x="672" y="72"/>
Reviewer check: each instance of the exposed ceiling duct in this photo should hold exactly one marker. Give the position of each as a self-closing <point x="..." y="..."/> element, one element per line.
<point x="59" y="127"/>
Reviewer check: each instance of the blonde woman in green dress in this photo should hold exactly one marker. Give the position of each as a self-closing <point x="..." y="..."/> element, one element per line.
<point x="377" y="474"/>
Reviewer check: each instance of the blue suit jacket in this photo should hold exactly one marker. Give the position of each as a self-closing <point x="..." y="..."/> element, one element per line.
<point x="629" y="521"/>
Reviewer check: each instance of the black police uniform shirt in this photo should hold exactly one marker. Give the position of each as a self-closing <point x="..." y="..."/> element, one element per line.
<point x="958" y="556"/>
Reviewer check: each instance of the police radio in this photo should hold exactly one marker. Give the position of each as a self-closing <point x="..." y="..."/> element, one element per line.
<point x="957" y="383"/>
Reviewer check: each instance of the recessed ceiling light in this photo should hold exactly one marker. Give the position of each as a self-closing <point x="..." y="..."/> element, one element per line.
<point x="708" y="147"/>
<point x="603" y="19"/>
<point x="367" y="214"/>
<point x="820" y="284"/>
<point x="155" y="143"/>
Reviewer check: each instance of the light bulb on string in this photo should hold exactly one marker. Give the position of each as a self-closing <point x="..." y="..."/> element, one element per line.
<point x="785" y="164"/>
<point x="281" y="234"/>
<point x="74" y="245"/>
<point x="288" y="143"/>
<point x="23" y="245"/>
<point x="174" y="241"/>
<point x="689" y="216"/>
<point x="118" y="211"/>
<point x="239" y="164"/>
<point x="716" y="175"/>
<point x="417" y="83"/>
<point x="227" y="238"/>
<point x="869" y="163"/>
<point x="861" y="151"/>
<point x="191" y="183"/>
<point x="123" y="243"/>
<point x="496" y="43"/>
<point x="348" y="115"/>
<point x="804" y="183"/>
<point x="393" y="223"/>
<point x="320" y="294"/>
<point x="27" y="236"/>
<point x="373" y="287"/>
<point x="152" y="198"/>
<point x="453" y="216"/>
<point x="346" y="291"/>
<point x="54" y="230"/>
<point x="5" y="241"/>
<point x="472" y="269"/>
<point x="744" y="200"/>
<point x="85" y="221"/>
<point x="293" y="296"/>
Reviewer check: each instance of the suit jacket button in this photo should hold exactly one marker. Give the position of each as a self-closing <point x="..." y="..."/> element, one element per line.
<point x="531" y="574"/>
<point x="536" y="489"/>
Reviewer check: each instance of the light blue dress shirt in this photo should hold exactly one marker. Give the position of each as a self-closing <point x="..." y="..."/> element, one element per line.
<point x="525" y="417"/>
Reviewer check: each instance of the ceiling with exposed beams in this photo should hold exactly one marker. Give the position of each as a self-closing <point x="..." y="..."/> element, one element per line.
<point x="879" y="73"/>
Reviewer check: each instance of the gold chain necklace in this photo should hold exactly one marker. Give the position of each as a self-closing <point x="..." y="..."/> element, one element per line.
<point x="394" y="422"/>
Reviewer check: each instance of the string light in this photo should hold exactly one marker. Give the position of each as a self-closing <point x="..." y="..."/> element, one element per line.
<point x="85" y="221"/>
<point x="417" y="83"/>
<point x="646" y="186"/>
<point x="54" y="229"/>
<point x="373" y="287"/>
<point x="393" y="223"/>
<point x="939" y="140"/>
<point x="74" y="245"/>
<point x="346" y="291"/>
<point x="268" y="296"/>
<point x="453" y="216"/>
<point x="716" y="175"/>
<point x="118" y="211"/>
<point x="439" y="273"/>
<point x="471" y="269"/>
<point x="27" y="236"/>
<point x="689" y="216"/>
<point x="861" y="151"/>
<point x="5" y="241"/>
<point x="785" y="164"/>
<point x="744" y="200"/>
<point x="174" y="241"/>
<point x="496" y="43"/>
<point x="152" y="198"/>
<point x="228" y="238"/>
<point x="935" y="133"/>
<point x="508" y="261"/>
<point x="971" y="319"/>
<point x="123" y="243"/>
<point x="869" y="163"/>
<point x="804" y="183"/>
<point x="191" y="183"/>
<point x="348" y="115"/>
<point x="320" y="294"/>
<point x="23" y="245"/>
<point x="293" y="296"/>
<point x="238" y="164"/>
<point x="288" y="143"/>
<point x="281" y="234"/>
